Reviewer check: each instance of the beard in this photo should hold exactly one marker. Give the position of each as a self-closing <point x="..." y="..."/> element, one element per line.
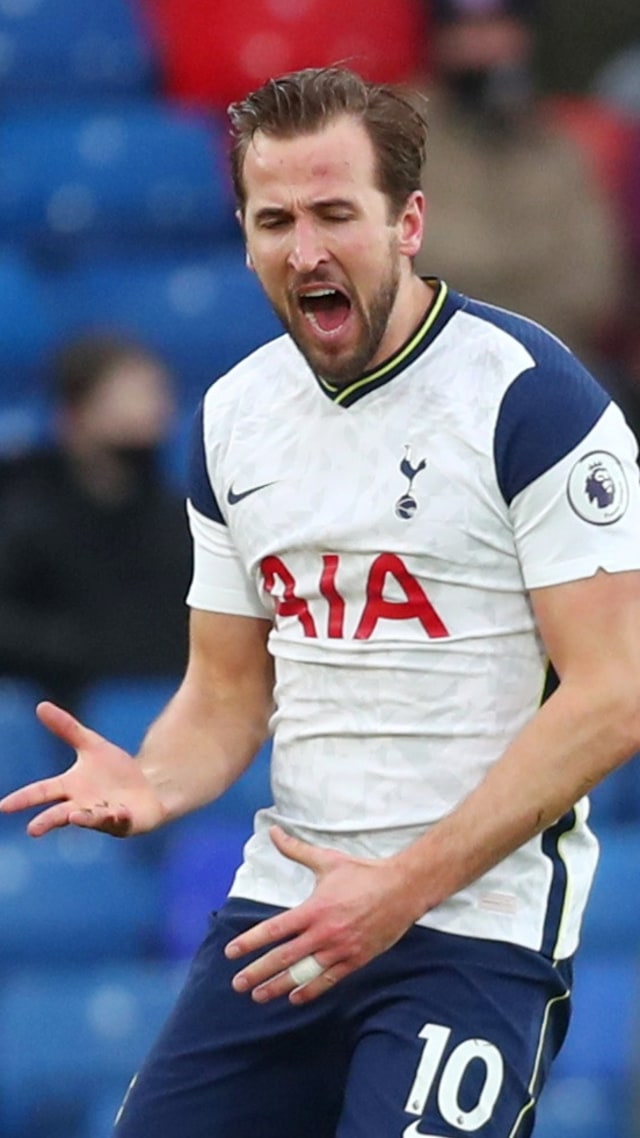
<point x="337" y="367"/>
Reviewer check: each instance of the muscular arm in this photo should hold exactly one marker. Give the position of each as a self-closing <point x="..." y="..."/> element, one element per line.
<point x="591" y="630"/>
<point x="589" y="726"/>
<point x="214" y="725"/>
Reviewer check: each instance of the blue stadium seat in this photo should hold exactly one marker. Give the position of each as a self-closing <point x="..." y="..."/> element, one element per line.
<point x="102" y="1110"/>
<point x="66" y="48"/>
<point x="612" y="920"/>
<point x="200" y="313"/>
<point x="617" y="798"/>
<point x="603" y="1039"/>
<point x="202" y="853"/>
<point x="175" y="451"/>
<point x="199" y="863"/>
<point x="25" y="425"/>
<point x="580" y="1107"/>
<point x="68" y="1037"/>
<point x="145" y="172"/>
<point x="123" y="707"/>
<point x="29" y="331"/>
<point x="592" y="1082"/>
<point x="27" y="751"/>
<point x="75" y="895"/>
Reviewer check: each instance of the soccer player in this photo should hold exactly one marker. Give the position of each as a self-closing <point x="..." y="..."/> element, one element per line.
<point x="409" y="514"/>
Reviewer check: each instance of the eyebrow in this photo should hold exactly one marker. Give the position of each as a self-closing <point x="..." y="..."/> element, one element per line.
<point x="322" y="205"/>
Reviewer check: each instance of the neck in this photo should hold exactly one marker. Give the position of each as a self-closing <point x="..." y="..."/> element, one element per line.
<point x="412" y="302"/>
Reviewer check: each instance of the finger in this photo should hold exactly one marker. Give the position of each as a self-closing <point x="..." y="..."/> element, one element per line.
<point x="314" y="857"/>
<point x="272" y="963"/>
<point x="51" y="819"/>
<point x="330" y="977"/>
<point x="333" y="972"/>
<point x="283" y="984"/>
<point x="34" y="794"/>
<point x="284" y="925"/>
<point x="65" y="726"/>
<point x="110" y="820"/>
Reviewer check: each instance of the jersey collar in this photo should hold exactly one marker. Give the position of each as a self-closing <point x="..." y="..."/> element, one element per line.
<point x="438" y="314"/>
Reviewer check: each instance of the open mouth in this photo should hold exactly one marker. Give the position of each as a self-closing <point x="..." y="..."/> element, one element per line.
<point x="326" y="308"/>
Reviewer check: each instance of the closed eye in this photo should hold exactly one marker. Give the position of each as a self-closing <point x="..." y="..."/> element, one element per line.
<point x="277" y="221"/>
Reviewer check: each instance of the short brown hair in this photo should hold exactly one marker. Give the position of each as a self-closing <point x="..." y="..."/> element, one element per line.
<point x="81" y="365"/>
<point x="305" y="101"/>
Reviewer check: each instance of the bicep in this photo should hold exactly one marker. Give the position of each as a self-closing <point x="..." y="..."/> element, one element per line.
<point x="590" y="628"/>
<point x="229" y="628"/>
<point x="229" y="659"/>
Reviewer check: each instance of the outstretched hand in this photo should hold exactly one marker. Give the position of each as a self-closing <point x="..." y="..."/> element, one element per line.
<point x="358" y="909"/>
<point x="105" y="788"/>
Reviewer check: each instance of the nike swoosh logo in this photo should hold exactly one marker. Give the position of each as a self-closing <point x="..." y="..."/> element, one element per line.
<point x="233" y="498"/>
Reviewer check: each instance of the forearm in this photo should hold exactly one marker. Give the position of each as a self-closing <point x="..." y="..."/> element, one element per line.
<point x="200" y="745"/>
<point x="568" y="747"/>
<point x="219" y="717"/>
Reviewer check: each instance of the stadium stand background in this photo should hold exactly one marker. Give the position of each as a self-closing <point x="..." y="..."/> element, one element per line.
<point x="116" y="214"/>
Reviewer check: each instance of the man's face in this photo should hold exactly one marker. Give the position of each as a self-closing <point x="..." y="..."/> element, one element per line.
<point x="131" y="406"/>
<point x="321" y="239"/>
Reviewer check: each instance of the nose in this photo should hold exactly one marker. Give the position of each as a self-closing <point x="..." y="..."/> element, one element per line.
<point x="307" y="250"/>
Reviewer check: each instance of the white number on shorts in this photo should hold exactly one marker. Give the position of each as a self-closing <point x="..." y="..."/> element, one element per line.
<point x="436" y="1038"/>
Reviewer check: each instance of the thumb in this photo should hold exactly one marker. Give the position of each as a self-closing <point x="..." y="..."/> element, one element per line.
<point x="65" y="726"/>
<point x="314" y="857"/>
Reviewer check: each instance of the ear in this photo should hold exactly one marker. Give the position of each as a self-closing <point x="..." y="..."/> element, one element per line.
<point x="411" y="224"/>
<point x="247" y="254"/>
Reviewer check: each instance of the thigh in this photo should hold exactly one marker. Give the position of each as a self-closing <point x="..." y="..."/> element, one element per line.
<point x="226" y="1067"/>
<point x="453" y="1037"/>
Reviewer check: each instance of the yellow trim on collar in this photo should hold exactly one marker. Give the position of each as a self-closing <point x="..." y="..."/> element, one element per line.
<point x="395" y="361"/>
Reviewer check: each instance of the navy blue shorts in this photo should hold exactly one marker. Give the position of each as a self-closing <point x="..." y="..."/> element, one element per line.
<point x="439" y="1037"/>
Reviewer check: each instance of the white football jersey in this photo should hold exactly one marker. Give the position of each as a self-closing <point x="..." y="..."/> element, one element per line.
<point x="391" y="531"/>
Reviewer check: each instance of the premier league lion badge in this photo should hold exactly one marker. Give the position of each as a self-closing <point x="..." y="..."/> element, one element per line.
<point x="597" y="488"/>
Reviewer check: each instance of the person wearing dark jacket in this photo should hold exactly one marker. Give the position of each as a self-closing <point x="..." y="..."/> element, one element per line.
<point x="94" y="547"/>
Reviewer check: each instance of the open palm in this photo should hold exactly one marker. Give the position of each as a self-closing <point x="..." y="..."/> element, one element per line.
<point x="105" y="788"/>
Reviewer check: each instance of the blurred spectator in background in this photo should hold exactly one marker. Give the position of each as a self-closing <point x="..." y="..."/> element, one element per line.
<point x="516" y="214"/>
<point x="576" y="37"/>
<point x="616" y="89"/>
<point x="617" y="82"/>
<point x="94" y="550"/>
<point x="631" y="202"/>
<point x="621" y="376"/>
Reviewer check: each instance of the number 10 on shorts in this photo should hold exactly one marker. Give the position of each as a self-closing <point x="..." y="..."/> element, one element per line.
<point x="449" y="1080"/>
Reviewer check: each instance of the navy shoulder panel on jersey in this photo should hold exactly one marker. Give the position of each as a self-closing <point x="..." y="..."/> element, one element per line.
<point x="199" y="489"/>
<point x="545" y="411"/>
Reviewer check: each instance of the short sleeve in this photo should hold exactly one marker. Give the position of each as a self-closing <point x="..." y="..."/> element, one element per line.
<point x="199" y="489"/>
<point x="219" y="582"/>
<point x="582" y="513"/>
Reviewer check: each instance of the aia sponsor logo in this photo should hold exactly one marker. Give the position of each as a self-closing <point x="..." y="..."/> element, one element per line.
<point x="387" y="575"/>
